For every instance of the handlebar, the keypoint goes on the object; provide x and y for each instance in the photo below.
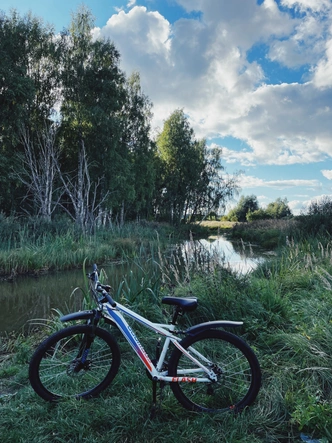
(102, 289)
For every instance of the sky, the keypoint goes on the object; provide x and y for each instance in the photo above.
(254, 77)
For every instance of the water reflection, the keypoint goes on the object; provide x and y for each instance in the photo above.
(31, 298)
(238, 257)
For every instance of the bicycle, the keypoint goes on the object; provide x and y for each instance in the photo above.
(208, 369)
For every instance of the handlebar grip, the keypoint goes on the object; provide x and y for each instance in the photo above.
(103, 289)
(109, 299)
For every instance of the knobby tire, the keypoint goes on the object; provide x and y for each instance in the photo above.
(56, 369)
(234, 362)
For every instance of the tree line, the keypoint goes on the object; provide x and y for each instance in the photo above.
(248, 209)
(76, 134)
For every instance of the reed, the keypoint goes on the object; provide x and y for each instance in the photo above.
(34, 249)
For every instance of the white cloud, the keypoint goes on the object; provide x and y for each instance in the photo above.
(297, 206)
(302, 5)
(255, 182)
(304, 45)
(201, 65)
(141, 36)
(323, 70)
(327, 173)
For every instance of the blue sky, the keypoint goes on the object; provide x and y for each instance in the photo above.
(253, 76)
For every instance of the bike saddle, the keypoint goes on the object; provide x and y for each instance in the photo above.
(186, 304)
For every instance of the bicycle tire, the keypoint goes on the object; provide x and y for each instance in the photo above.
(56, 370)
(234, 362)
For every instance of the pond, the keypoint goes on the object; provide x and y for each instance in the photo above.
(239, 257)
(28, 299)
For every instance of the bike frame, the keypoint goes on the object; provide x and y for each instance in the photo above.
(115, 314)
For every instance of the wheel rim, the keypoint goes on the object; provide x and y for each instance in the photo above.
(232, 370)
(62, 372)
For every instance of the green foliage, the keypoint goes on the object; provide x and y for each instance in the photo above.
(286, 309)
(93, 89)
(182, 159)
(28, 73)
(142, 151)
(323, 207)
(317, 221)
(248, 209)
(259, 214)
(312, 413)
(278, 209)
(248, 204)
(268, 233)
(99, 109)
(107, 166)
(35, 245)
(190, 182)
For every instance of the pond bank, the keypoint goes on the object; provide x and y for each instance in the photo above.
(26, 298)
(48, 252)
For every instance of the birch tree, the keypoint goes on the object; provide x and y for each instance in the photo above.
(93, 97)
(82, 193)
(38, 168)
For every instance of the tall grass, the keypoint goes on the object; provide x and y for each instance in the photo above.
(286, 307)
(32, 246)
(269, 234)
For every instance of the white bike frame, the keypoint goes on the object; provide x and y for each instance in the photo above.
(115, 315)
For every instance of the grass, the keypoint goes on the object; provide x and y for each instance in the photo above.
(216, 225)
(286, 306)
(269, 234)
(29, 250)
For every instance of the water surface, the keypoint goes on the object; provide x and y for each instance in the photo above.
(27, 298)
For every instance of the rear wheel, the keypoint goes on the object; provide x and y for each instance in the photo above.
(78, 361)
(236, 375)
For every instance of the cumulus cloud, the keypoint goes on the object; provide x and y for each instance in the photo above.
(202, 65)
(298, 206)
(327, 173)
(303, 5)
(323, 70)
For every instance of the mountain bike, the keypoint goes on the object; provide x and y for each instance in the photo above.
(207, 368)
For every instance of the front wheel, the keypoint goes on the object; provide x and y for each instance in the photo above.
(78, 361)
(236, 375)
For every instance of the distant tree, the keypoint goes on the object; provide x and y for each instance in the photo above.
(278, 209)
(246, 204)
(215, 187)
(248, 209)
(317, 220)
(322, 206)
(259, 214)
(190, 181)
(182, 159)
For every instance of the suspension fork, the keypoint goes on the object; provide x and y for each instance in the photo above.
(88, 338)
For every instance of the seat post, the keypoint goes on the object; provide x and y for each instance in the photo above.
(177, 311)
